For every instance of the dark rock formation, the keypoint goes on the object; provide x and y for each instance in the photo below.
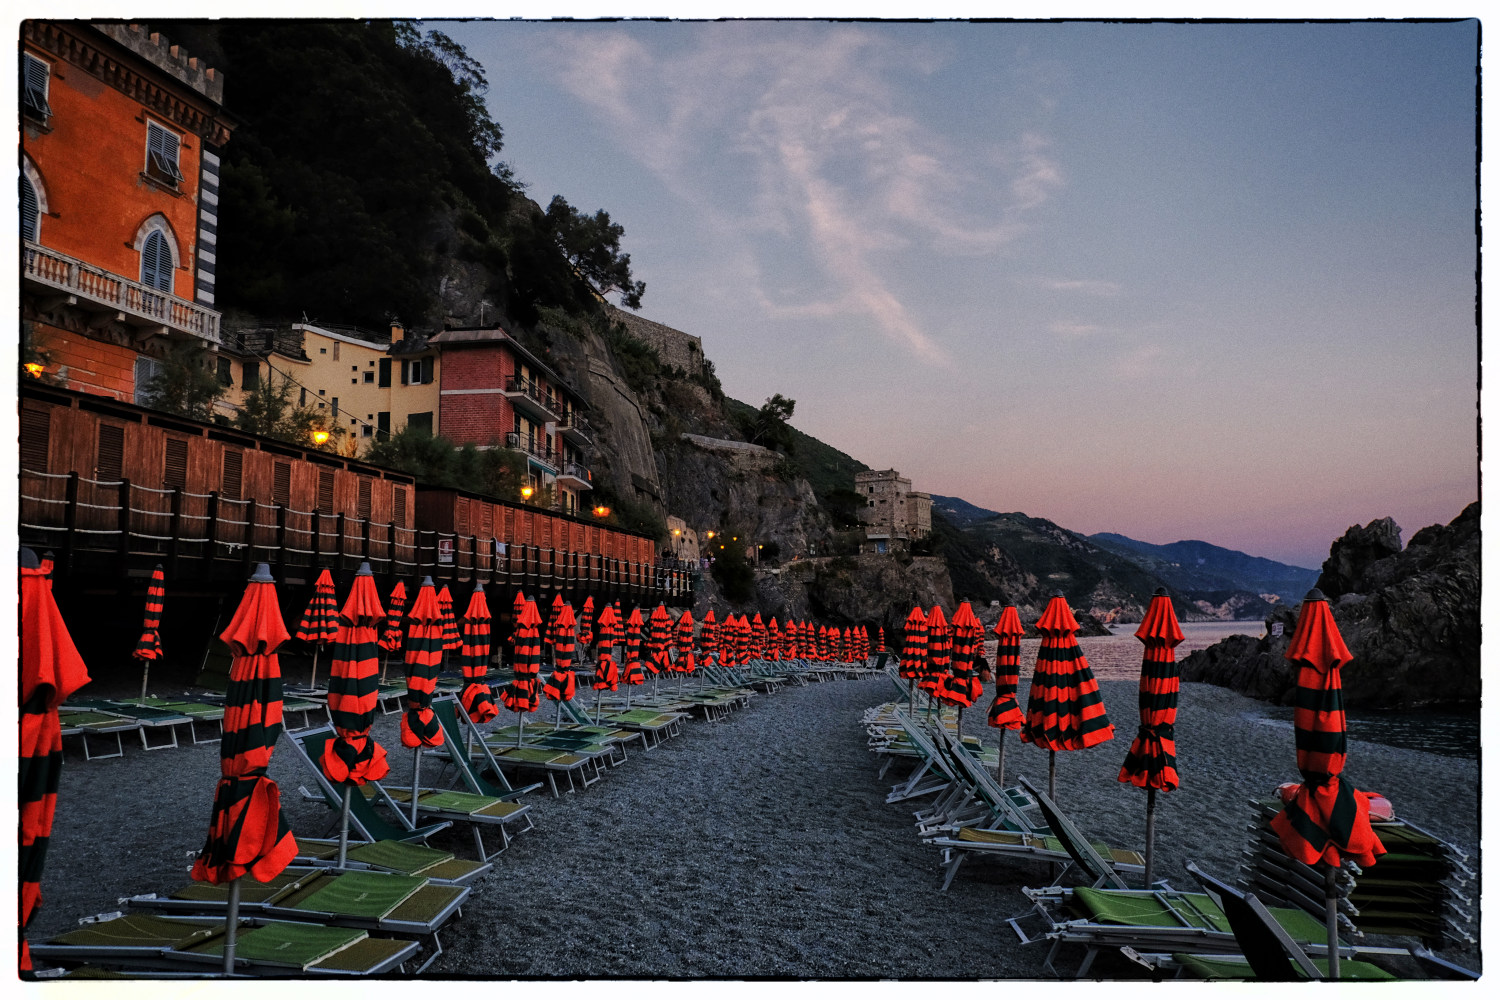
(1413, 627)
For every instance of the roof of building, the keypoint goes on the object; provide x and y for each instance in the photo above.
(495, 335)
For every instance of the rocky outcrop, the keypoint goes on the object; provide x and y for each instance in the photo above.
(1413, 627)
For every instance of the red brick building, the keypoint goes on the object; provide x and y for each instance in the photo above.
(496, 394)
(121, 132)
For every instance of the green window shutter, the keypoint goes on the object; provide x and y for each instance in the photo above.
(31, 212)
(156, 263)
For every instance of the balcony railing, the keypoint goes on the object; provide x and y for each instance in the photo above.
(523, 390)
(521, 442)
(575, 427)
(578, 473)
(141, 305)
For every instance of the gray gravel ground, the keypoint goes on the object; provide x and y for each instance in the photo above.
(757, 846)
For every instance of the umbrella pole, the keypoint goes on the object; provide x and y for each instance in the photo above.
(344, 827)
(1000, 769)
(557, 723)
(231, 925)
(312, 678)
(1330, 902)
(1150, 833)
(416, 783)
(911, 693)
(1052, 775)
(520, 726)
(145, 672)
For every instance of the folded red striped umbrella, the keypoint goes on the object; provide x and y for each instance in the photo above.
(549, 636)
(353, 756)
(939, 652)
(683, 643)
(758, 638)
(320, 620)
(914, 648)
(774, 641)
(452, 638)
(1064, 710)
(390, 637)
(148, 646)
(606, 671)
(633, 673)
(50, 671)
(657, 639)
(477, 698)
(424, 655)
(562, 685)
(882, 637)
(1325, 818)
(961, 686)
(523, 693)
(708, 636)
(246, 832)
(1151, 762)
(585, 627)
(1005, 713)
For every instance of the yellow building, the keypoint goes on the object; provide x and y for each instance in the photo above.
(366, 385)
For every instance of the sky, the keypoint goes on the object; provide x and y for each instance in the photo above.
(1199, 280)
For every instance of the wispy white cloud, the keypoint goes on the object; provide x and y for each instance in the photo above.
(1082, 286)
(828, 165)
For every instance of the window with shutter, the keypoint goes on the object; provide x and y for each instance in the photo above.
(385, 373)
(382, 426)
(362, 509)
(111, 460)
(156, 262)
(31, 212)
(405, 372)
(225, 372)
(234, 464)
(398, 506)
(147, 370)
(36, 431)
(484, 519)
(35, 76)
(281, 483)
(416, 372)
(250, 375)
(461, 515)
(325, 490)
(161, 154)
(174, 471)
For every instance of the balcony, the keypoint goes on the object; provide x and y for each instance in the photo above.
(530, 401)
(545, 459)
(575, 476)
(96, 290)
(574, 427)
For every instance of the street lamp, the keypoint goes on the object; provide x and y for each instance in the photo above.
(320, 437)
(526, 492)
(601, 511)
(34, 369)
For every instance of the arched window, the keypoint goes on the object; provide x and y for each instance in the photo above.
(31, 212)
(156, 262)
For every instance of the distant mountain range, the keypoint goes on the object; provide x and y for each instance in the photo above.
(1021, 559)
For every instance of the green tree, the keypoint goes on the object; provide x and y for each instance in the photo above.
(185, 385)
(591, 244)
(268, 410)
(495, 472)
(770, 426)
(733, 571)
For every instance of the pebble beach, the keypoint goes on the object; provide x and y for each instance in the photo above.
(761, 845)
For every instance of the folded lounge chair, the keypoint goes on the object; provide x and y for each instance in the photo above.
(84, 723)
(653, 726)
(196, 945)
(147, 719)
(407, 906)
(396, 856)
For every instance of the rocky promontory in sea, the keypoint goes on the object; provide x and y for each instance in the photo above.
(1410, 617)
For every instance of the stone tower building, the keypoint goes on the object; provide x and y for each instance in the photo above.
(894, 514)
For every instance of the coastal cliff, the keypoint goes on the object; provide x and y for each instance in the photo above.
(1410, 617)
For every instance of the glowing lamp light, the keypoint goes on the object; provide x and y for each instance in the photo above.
(711, 534)
(34, 369)
(676, 531)
(601, 511)
(526, 492)
(320, 436)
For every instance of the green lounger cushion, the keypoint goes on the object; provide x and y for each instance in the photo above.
(1206, 967)
(364, 954)
(140, 930)
(1194, 909)
(371, 895)
(537, 755)
(398, 856)
(287, 945)
(251, 891)
(426, 904)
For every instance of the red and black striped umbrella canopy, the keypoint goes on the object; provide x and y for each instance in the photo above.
(1005, 712)
(523, 693)
(474, 657)
(550, 635)
(424, 657)
(686, 663)
(585, 626)
(390, 638)
(961, 687)
(1325, 818)
(846, 650)
(1152, 759)
(939, 651)
(708, 635)
(148, 646)
(1064, 710)
(320, 620)
(882, 637)
(246, 831)
(914, 649)
(606, 671)
(352, 755)
(633, 672)
(562, 685)
(50, 671)
(452, 638)
(774, 641)
(759, 636)
(657, 639)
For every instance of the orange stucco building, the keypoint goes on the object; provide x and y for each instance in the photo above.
(121, 132)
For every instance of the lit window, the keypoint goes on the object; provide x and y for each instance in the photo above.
(156, 262)
(161, 154)
(35, 76)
